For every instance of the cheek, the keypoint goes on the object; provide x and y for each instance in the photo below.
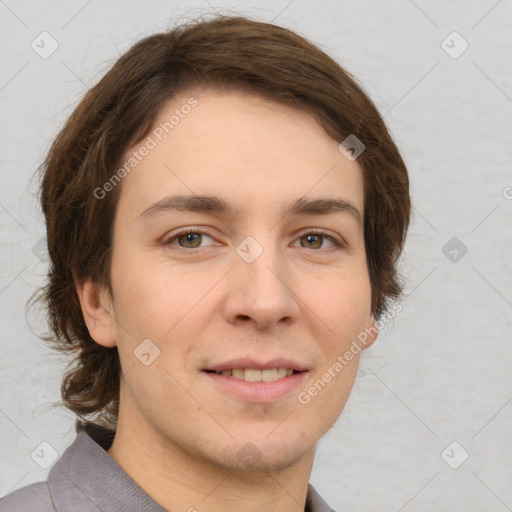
(345, 307)
(325, 396)
(160, 302)
(145, 286)
(343, 303)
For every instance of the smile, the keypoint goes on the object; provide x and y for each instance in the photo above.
(255, 385)
(256, 375)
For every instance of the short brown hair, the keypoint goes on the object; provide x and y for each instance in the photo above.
(223, 52)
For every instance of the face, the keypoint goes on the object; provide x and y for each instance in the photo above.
(256, 280)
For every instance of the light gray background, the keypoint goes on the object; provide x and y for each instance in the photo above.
(441, 372)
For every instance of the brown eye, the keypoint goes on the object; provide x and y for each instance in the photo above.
(312, 241)
(315, 240)
(190, 240)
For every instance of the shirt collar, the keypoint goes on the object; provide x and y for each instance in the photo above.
(87, 478)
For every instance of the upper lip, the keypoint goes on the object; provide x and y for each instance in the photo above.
(258, 364)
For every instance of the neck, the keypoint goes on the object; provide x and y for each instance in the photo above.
(180, 480)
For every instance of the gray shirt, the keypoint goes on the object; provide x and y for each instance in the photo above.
(87, 479)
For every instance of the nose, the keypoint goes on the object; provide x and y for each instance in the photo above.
(261, 292)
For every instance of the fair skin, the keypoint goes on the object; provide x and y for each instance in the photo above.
(183, 429)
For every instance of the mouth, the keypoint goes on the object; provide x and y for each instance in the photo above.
(255, 374)
(253, 381)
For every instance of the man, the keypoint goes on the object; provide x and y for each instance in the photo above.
(224, 210)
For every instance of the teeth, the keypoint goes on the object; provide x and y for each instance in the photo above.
(268, 375)
(238, 373)
(255, 375)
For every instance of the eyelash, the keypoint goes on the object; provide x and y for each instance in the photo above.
(191, 230)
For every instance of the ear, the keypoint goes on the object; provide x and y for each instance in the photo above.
(372, 333)
(97, 310)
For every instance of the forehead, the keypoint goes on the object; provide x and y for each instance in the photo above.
(253, 152)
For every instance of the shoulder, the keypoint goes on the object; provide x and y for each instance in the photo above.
(31, 498)
(314, 503)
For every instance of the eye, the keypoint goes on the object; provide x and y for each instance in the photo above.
(188, 239)
(315, 239)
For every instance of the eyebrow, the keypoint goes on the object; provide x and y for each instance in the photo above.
(218, 206)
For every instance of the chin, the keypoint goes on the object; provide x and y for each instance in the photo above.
(259, 454)
(263, 461)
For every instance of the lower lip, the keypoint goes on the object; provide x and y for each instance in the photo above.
(259, 392)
